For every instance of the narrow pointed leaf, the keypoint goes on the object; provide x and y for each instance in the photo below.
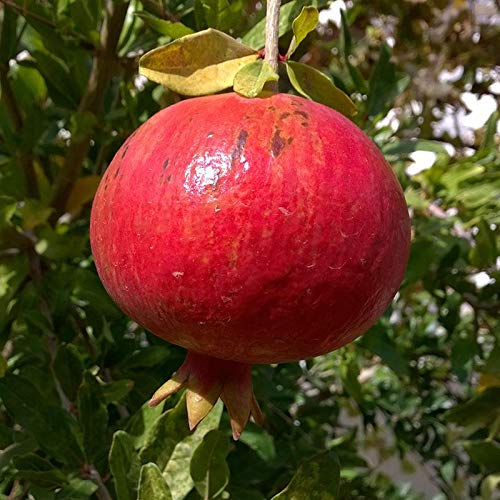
(316, 86)
(250, 80)
(152, 485)
(302, 25)
(208, 468)
(316, 479)
(125, 466)
(198, 64)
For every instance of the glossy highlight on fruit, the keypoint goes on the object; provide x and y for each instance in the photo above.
(249, 230)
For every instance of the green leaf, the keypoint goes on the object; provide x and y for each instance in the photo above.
(68, 367)
(142, 422)
(8, 38)
(208, 467)
(51, 426)
(152, 485)
(385, 84)
(114, 392)
(256, 36)
(250, 80)
(93, 417)
(198, 64)
(24, 443)
(350, 373)
(220, 14)
(378, 342)
(176, 472)
(259, 440)
(481, 409)
(77, 489)
(167, 28)
(38, 470)
(125, 466)
(489, 132)
(316, 86)
(485, 453)
(316, 479)
(171, 428)
(485, 252)
(302, 25)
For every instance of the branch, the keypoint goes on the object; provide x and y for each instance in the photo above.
(272, 33)
(103, 67)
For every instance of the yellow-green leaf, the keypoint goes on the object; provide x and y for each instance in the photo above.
(316, 86)
(82, 192)
(250, 80)
(302, 25)
(167, 28)
(198, 64)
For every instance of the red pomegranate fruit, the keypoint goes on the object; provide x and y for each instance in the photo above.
(248, 231)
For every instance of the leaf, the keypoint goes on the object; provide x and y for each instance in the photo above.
(176, 472)
(114, 392)
(142, 422)
(484, 253)
(8, 38)
(259, 440)
(302, 25)
(481, 409)
(489, 132)
(208, 467)
(220, 14)
(24, 443)
(77, 489)
(316, 479)
(255, 37)
(33, 213)
(93, 417)
(485, 453)
(316, 86)
(83, 192)
(250, 80)
(171, 428)
(68, 367)
(124, 465)
(38, 470)
(198, 64)
(152, 485)
(167, 28)
(378, 342)
(50, 425)
(385, 84)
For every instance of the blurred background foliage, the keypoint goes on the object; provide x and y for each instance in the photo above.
(411, 410)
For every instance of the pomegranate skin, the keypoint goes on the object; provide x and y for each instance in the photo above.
(252, 230)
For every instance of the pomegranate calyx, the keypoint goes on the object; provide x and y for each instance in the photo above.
(206, 379)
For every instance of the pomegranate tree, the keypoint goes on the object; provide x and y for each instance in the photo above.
(248, 231)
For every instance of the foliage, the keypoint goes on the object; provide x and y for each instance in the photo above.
(420, 390)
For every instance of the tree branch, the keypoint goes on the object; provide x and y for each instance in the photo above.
(103, 66)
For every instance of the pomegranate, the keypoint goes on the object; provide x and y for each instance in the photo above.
(248, 231)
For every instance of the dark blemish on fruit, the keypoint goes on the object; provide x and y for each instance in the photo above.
(284, 115)
(165, 164)
(117, 172)
(304, 124)
(290, 140)
(272, 108)
(301, 113)
(277, 143)
(239, 146)
(169, 177)
(124, 152)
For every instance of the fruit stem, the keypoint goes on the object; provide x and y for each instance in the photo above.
(272, 36)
